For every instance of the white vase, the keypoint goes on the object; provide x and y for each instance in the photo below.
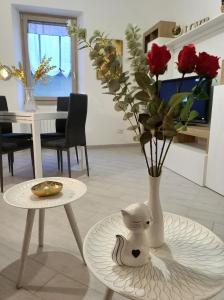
(29, 104)
(156, 228)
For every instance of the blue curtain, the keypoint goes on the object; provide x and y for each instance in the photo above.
(51, 41)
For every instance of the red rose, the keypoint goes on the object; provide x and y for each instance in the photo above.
(157, 59)
(207, 65)
(187, 59)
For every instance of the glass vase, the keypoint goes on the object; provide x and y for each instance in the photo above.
(29, 104)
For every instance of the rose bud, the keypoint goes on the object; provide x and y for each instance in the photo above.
(207, 65)
(158, 59)
(187, 59)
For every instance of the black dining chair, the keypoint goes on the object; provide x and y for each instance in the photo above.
(6, 127)
(60, 124)
(74, 130)
(9, 147)
(10, 136)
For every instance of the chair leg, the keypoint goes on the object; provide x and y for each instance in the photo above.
(61, 160)
(87, 162)
(58, 158)
(32, 160)
(1, 172)
(77, 154)
(11, 163)
(69, 163)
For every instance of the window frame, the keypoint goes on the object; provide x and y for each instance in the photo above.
(25, 17)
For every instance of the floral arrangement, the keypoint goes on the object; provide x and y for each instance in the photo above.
(136, 93)
(40, 74)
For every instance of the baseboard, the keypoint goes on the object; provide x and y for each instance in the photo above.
(113, 145)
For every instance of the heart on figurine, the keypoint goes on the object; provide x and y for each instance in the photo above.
(135, 253)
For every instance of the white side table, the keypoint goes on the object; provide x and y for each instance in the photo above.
(21, 196)
(189, 266)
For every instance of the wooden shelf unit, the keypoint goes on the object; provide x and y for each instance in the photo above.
(160, 29)
(198, 135)
(201, 33)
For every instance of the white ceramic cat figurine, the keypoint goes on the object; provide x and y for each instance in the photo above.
(134, 250)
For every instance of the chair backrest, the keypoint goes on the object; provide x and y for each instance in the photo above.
(5, 127)
(76, 121)
(62, 105)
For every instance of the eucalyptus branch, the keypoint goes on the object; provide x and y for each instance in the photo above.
(132, 125)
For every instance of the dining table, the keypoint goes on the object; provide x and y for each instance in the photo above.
(34, 119)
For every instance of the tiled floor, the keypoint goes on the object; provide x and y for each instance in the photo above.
(117, 178)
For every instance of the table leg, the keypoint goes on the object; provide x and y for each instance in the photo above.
(37, 149)
(74, 227)
(41, 227)
(38, 172)
(109, 294)
(26, 243)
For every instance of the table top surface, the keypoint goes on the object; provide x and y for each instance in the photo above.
(20, 195)
(38, 115)
(189, 266)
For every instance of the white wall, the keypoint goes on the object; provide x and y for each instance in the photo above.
(186, 12)
(112, 17)
(103, 122)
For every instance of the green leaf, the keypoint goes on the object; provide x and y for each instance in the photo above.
(113, 85)
(154, 121)
(120, 106)
(179, 126)
(136, 138)
(193, 114)
(143, 80)
(92, 54)
(178, 98)
(202, 95)
(135, 108)
(170, 133)
(127, 115)
(128, 99)
(142, 95)
(91, 39)
(134, 127)
(145, 137)
(153, 107)
(185, 111)
(83, 47)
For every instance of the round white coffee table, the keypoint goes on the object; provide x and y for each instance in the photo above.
(189, 266)
(21, 196)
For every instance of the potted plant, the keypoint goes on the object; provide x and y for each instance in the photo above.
(138, 90)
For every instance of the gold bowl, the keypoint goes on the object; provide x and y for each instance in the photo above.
(47, 188)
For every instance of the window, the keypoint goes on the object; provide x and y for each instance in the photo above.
(47, 36)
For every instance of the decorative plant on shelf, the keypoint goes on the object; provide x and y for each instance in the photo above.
(136, 93)
(40, 74)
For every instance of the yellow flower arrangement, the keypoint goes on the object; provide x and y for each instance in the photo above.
(40, 74)
(19, 73)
